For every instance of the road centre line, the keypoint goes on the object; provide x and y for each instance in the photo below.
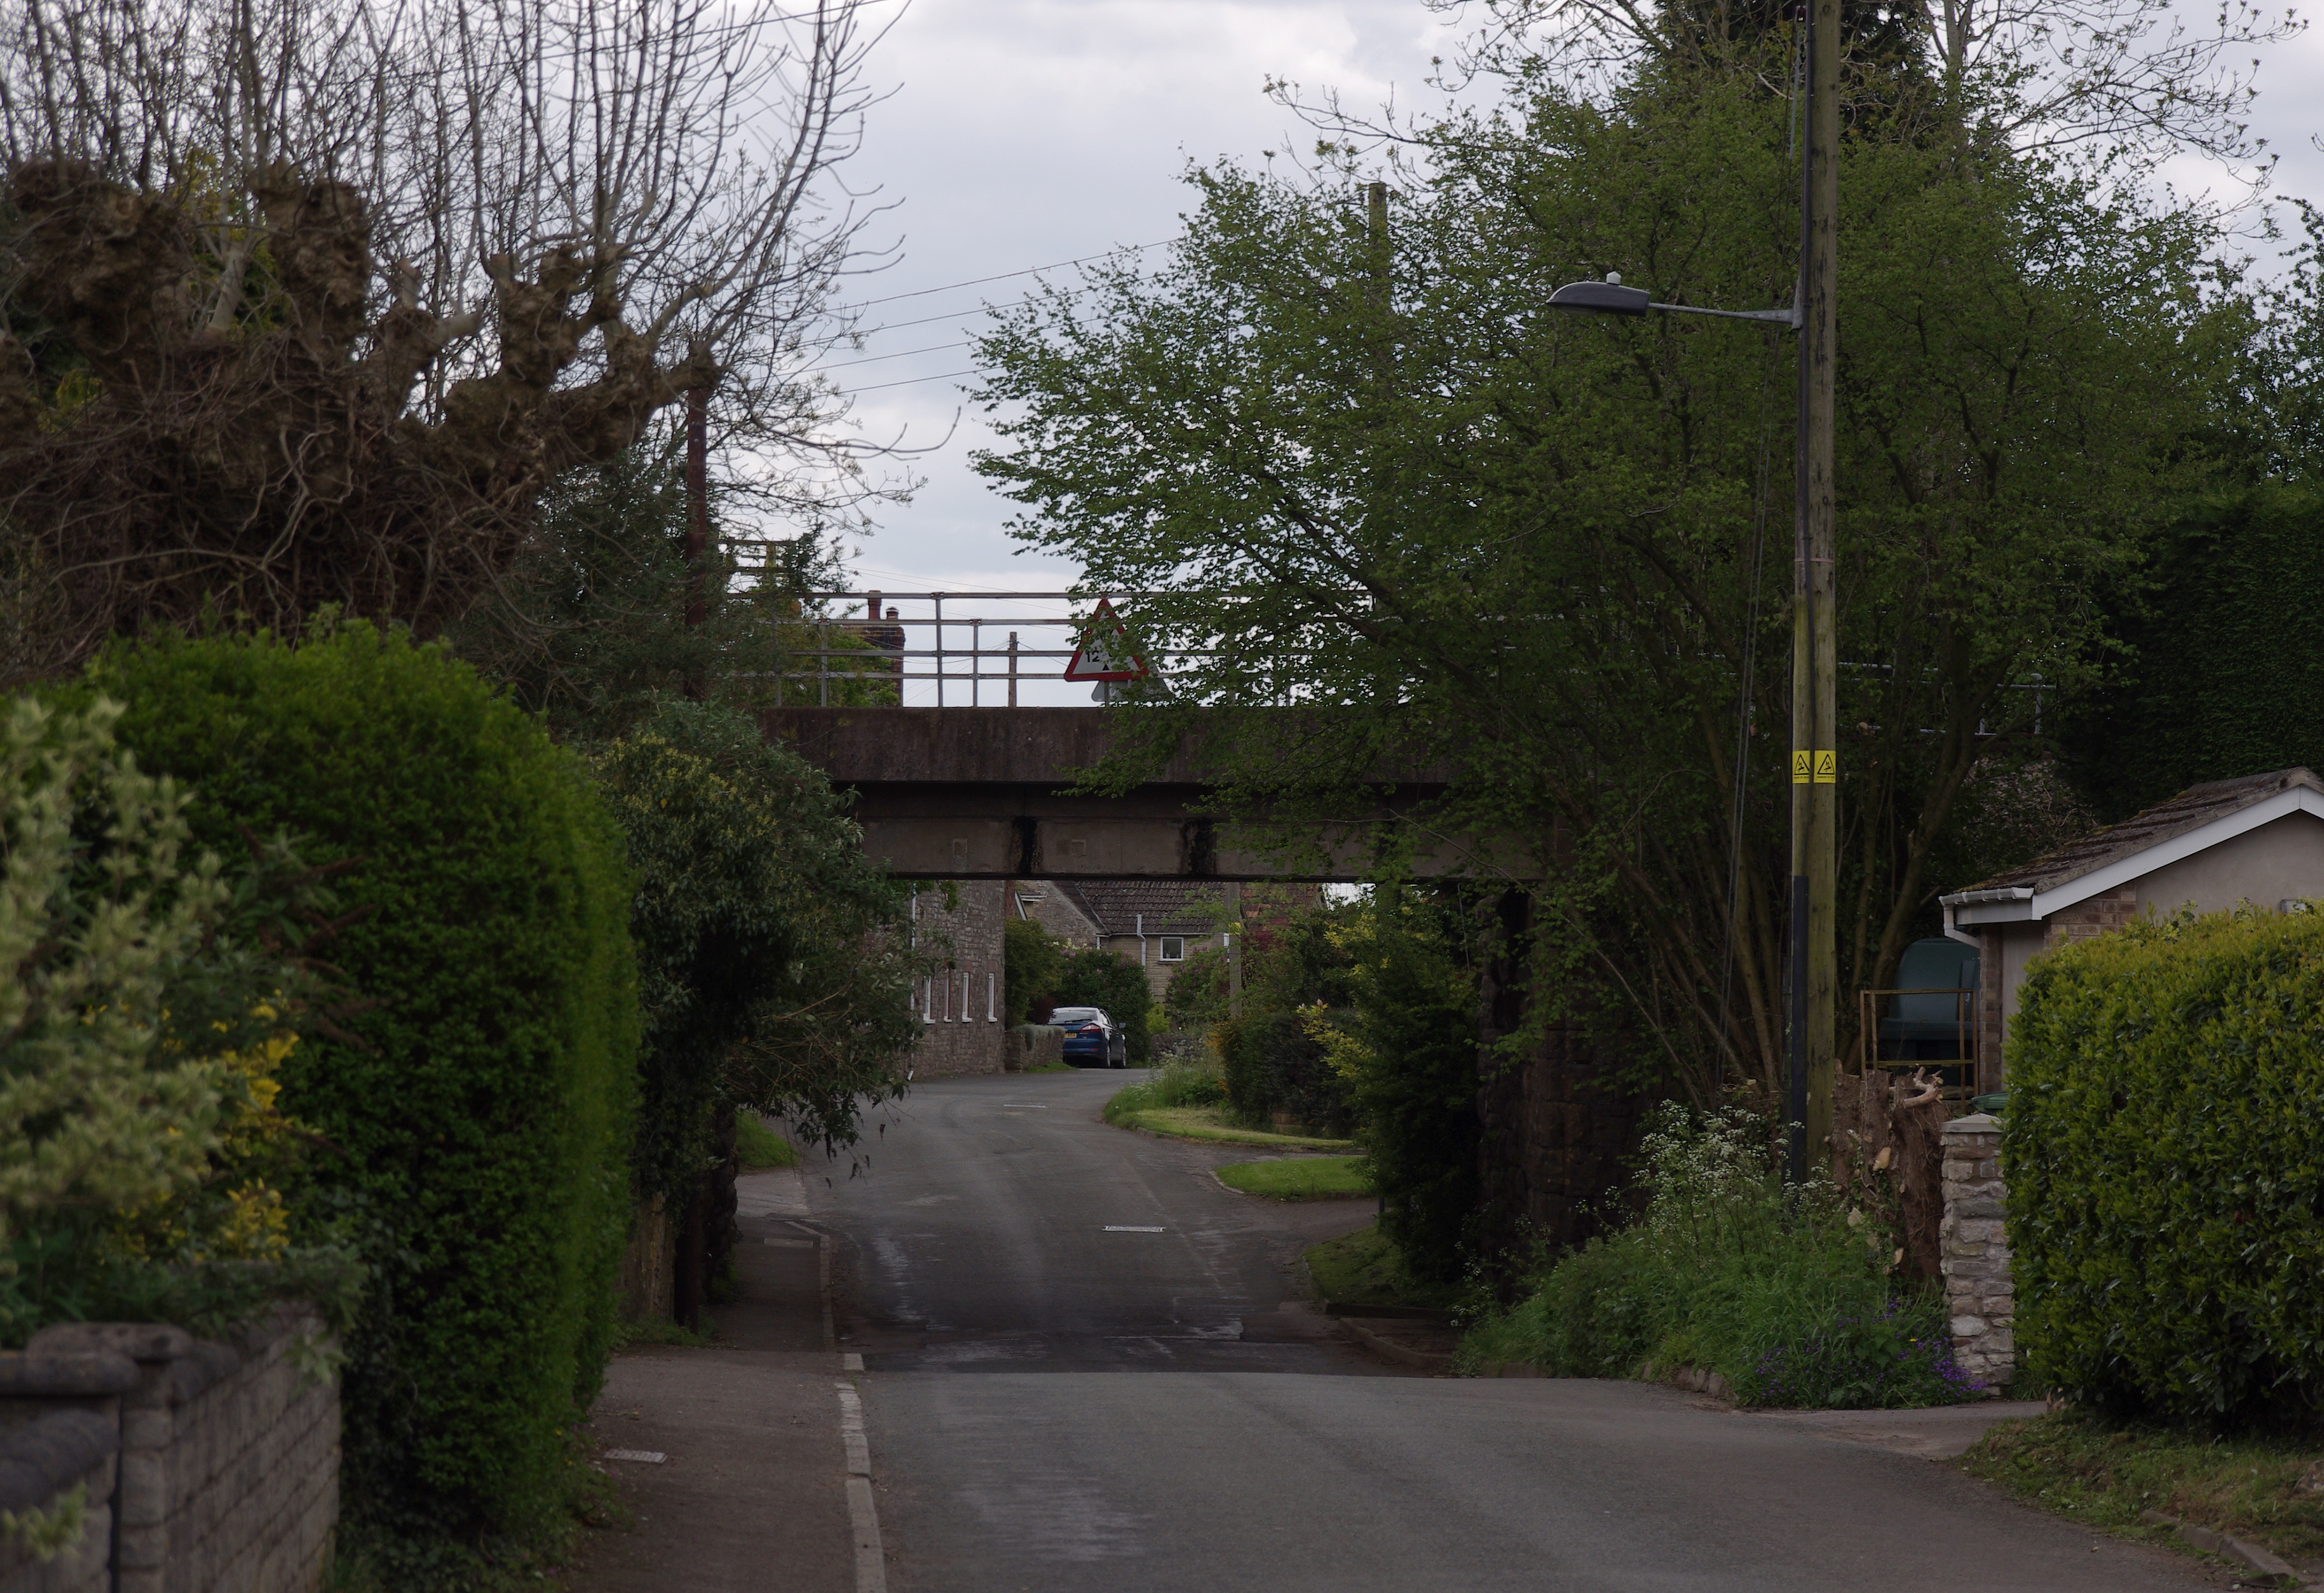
(1124, 1227)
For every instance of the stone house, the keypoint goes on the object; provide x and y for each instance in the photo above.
(959, 1004)
(2258, 838)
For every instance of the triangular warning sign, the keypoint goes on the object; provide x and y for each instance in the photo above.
(1104, 653)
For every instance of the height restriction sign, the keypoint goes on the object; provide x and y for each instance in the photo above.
(1105, 653)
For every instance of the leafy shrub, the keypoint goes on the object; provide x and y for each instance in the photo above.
(1783, 1291)
(1031, 960)
(143, 1159)
(1407, 1053)
(479, 1105)
(773, 968)
(1197, 996)
(2165, 1184)
(1274, 1064)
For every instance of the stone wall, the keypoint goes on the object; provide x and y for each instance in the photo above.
(959, 1004)
(222, 1475)
(42, 1462)
(1979, 1294)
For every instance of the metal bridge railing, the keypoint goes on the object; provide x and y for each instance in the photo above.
(971, 659)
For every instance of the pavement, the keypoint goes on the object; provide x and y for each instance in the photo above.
(1084, 1365)
(748, 1490)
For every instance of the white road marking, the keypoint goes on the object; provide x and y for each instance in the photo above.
(1123, 1228)
(850, 1362)
(647, 1457)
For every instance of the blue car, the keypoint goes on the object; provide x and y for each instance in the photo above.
(1091, 1038)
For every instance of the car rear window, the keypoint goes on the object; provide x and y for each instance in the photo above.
(1075, 1015)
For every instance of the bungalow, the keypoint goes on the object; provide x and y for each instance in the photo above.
(2258, 838)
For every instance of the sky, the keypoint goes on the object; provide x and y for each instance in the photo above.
(1018, 133)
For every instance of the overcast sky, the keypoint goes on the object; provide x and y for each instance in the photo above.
(1020, 132)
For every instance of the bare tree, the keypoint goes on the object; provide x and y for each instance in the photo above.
(2121, 78)
(306, 303)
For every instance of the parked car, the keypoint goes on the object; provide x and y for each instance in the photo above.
(1091, 1040)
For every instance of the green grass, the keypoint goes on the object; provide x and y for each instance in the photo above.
(1207, 1122)
(1055, 1067)
(2266, 1490)
(1300, 1178)
(759, 1147)
(1365, 1268)
(1189, 1100)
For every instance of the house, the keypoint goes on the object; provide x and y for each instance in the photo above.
(2259, 839)
(1157, 924)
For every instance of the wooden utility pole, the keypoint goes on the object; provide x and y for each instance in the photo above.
(1815, 769)
(697, 522)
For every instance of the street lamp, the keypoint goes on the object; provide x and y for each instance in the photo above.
(1815, 807)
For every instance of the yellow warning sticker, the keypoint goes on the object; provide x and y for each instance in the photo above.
(1801, 761)
(1827, 767)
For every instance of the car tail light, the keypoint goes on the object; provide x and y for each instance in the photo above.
(1093, 1029)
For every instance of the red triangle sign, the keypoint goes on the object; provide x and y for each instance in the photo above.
(1105, 653)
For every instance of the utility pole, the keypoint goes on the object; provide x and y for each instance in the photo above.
(697, 521)
(1815, 769)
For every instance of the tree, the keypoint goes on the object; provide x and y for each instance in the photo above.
(310, 304)
(591, 625)
(1374, 477)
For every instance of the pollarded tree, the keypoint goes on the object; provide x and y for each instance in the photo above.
(308, 303)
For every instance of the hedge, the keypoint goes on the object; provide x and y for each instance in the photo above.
(2166, 1181)
(477, 1104)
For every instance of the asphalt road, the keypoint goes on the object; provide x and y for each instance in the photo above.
(1004, 1276)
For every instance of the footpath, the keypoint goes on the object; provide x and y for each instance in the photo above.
(742, 1462)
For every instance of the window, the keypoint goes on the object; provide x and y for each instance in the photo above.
(1174, 948)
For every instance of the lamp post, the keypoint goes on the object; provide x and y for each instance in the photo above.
(1814, 959)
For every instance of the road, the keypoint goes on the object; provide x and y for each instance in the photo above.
(1013, 1256)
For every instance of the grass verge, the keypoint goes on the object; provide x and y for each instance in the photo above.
(1207, 1122)
(2264, 1490)
(1300, 1178)
(759, 1147)
(1365, 1268)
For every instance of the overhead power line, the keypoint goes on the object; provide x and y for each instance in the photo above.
(1004, 276)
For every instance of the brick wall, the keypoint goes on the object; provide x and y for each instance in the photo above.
(959, 1004)
(223, 1476)
(2093, 916)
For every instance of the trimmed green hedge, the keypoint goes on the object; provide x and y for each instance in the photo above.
(478, 1104)
(2166, 1179)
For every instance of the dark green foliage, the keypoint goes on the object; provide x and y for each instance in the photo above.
(1197, 996)
(1412, 1078)
(1784, 1293)
(478, 1105)
(2226, 675)
(590, 628)
(1032, 959)
(1094, 978)
(2166, 1193)
(773, 963)
(1274, 1064)
(1274, 1060)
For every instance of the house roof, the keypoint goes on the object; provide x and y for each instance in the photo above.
(2199, 817)
(1165, 906)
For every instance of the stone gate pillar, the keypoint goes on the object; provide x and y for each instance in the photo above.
(1979, 1297)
